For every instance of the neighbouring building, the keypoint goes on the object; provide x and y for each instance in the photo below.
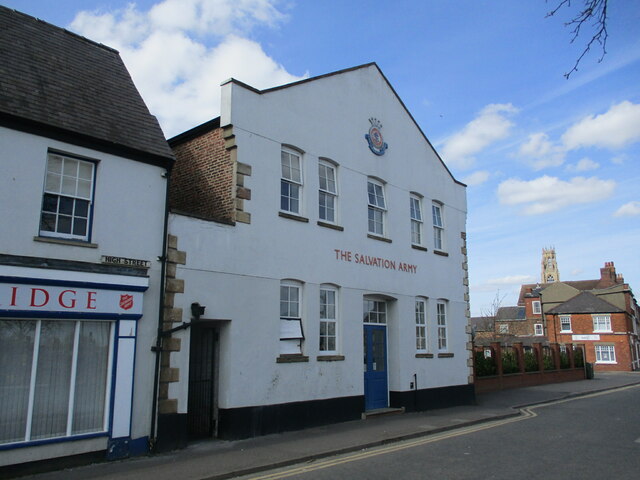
(601, 313)
(317, 246)
(83, 168)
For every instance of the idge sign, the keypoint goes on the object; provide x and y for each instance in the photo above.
(374, 137)
(64, 299)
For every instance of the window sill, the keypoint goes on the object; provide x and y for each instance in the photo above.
(330, 358)
(330, 225)
(419, 247)
(441, 253)
(424, 355)
(603, 331)
(292, 358)
(292, 216)
(65, 241)
(445, 355)
(377, 237)
(566, 331)
(606, 363)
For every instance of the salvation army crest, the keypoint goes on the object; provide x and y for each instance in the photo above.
(374, 137)
(126, 302)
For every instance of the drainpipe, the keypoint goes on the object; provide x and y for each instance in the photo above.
(157, 348)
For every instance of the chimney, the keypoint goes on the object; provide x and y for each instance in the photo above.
(608, 276)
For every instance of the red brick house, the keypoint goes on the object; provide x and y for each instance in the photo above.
(601, 313)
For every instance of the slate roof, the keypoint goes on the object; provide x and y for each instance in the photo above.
(536, 288)
(60, 85)
(506, 314)
(585, 302)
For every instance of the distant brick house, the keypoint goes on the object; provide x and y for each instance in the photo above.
(601, 313)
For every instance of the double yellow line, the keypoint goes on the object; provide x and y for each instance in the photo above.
(525, 414)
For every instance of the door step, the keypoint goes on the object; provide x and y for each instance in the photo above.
(380, 412)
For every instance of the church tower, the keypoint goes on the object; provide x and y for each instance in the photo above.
(550, 271)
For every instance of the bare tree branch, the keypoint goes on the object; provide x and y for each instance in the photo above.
(595, 10)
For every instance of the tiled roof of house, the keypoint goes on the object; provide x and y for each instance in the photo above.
(585, 302)
(57, 84)
(510, 314)
(534, 289)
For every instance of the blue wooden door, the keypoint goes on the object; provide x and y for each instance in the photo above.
(376, 391)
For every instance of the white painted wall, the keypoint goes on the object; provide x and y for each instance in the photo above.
(127, 221)
(235, 271)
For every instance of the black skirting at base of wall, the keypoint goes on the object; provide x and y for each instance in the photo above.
(51, 464)
(172, 432)
(432, 398)
(237, 423)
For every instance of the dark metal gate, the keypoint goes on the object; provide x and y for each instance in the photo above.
(201, 414)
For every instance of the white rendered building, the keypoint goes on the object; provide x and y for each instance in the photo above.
(325, 238)
(83, 169)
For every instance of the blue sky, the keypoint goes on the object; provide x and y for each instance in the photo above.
(548, 161)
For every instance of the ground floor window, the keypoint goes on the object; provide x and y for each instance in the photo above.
(605, 354)
(54, 379)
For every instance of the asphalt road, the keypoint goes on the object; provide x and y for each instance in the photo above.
(585, 438)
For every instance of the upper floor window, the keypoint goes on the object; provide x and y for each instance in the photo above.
(291, 333)
(421, 325)
(565, 323)
(441, 315)
(68, 198)
(377, 207)
(535, 305)
(415, 209)
(538, 330)
(438, 226)
(601, 323)
(328, 192)
(503, 328)
(328, 319)
(291, 182)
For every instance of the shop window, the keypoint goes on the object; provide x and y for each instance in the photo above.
(55, 378)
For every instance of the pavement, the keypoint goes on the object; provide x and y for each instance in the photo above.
(217, 460)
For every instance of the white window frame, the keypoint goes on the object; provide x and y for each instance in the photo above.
(538, 330)
(565, 324)
(291, 180)
(377, 207)
(441, 317)
(503, 328)
(291, 328)
(415, 212)
(327, 193)
(605, 351)
(328, 319)
(67, 197)
(375, 311)
(536, 307)
(601, 322)
(422, 340)
(71, 404)
(437, 217)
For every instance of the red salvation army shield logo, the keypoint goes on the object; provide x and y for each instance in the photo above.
(126, 301)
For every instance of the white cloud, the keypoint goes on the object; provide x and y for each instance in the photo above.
(476, 178)
(617, 128)
(502, 283)
(630, 209)
(547, 194)
(180, 51)
(583, 165)
(488, 127)
(541, 151)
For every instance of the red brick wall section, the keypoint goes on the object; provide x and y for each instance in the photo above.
(202, 181)
(582, 324)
